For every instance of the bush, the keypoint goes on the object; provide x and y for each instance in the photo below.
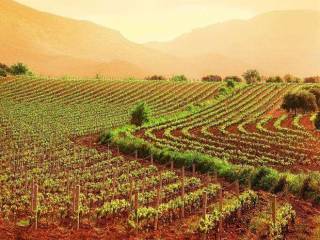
(252, 76)
(3, 73)
(155, 77)
(315, 79)
(316, 93)
(232, 78)
(179, 78)
(301, 100)
(262, 178)
(19, 69)
(317, 121)
(230, 84)
(212, 78)
(288, 78)
(276, 79)
(140, 114)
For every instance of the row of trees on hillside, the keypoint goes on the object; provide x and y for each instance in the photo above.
(250, 76)
(15, 69)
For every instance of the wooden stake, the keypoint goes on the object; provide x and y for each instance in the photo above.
(118, 150)
(171, 165)
(182, 193)
(220, 227)
(238, 193)
(157, 206)
(136, 205)
(35, 198)
(151, 159)
(77, 193)
(274, 206)
(193, 170)
(205, 203)
(136, 154)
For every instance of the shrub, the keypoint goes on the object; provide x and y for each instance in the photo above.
(281, 185)
(288, 78)
(179, 78)
(315, 79)
(252, 76)
(3, 73)
(317, 121)
(140, 114)
(301, 100)
(316, 93)
(230, 84)
(264, 178)
(155, 77)
(275, 79)
(106, 137)
(233, 78)
(212, 78)
(19, 69)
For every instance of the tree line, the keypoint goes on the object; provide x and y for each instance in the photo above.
(15, 69)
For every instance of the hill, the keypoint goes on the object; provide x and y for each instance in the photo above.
(274, 42)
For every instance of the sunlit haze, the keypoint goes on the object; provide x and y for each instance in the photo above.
(160, 20)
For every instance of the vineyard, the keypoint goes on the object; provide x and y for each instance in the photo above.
(58, 182)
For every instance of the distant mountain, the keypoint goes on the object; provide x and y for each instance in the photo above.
(277, 42)
(52, 44)
(274, 42)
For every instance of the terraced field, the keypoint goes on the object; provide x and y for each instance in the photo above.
(246, 128)
(57, 181)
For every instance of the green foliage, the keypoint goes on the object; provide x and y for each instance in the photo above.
(275, 79)
(140, 114)
(230, 84)
(288, 78)
(3, 73)
(233, 78)
(106, 137)
(19, 69)
(179, 78)
(252, 76)
(264, 178)
(301, 100)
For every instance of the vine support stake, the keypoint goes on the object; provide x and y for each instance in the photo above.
(182, 192)
(171, 165)
(157, 206)
(136, 206)
(35, 199)
(136, 154)
(205, 203)
(77, 194)
(193, 170)
(274, 206)
(220, 227)
(151, 157)
(238, 193)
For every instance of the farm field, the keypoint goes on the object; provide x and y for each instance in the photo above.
(57, 179)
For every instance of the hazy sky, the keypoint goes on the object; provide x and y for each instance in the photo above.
(147, 20)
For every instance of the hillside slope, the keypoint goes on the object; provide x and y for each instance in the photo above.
(275, 42)
(35, 37)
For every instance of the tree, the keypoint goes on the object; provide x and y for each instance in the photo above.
(275, 79)
(230, 84)
(212, 78)
(315, 79)
(252, 76)
(288, 78)
(140, 114)
(317, 121)
(155, 77)
(302, 100)
(19, 69)
(3, 73)
(179, 78)
(316, 92)
(233, 78)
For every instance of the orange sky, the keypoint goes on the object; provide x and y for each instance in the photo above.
(150, 20)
